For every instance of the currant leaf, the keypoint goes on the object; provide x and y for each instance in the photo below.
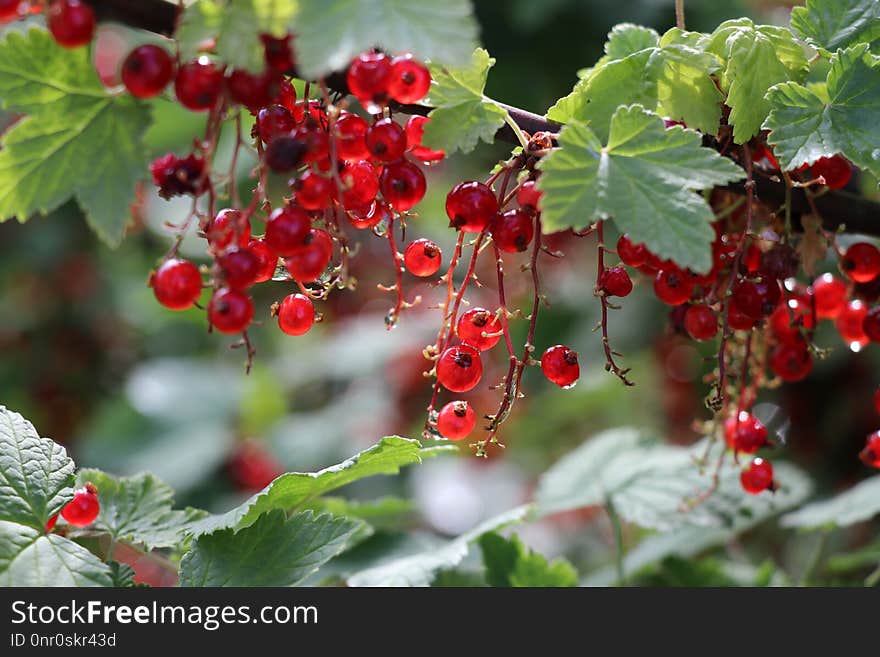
(509, 562)
(330, 33)
(643, 179)
(625, 39)
(833, 24)
(462, 115)
(273, 551)
(804, 126)
(854, 505)
(77, 140)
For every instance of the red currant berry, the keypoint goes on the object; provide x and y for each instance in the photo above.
(479, 328)
(350, 131)
(50, 523)
(83, 508)
(615, 282)
(751, 259)
(422, 257)
(71, 22)
(316, 140)
(415, 128)
(296, 314)
(456, 420)
(757, 297)
(513, 230)
(198, 85)
(830, 296)
(738, 320)
(672, 287)
(871, 324)
(278, 53)
(285, 153)
(789, 317)
(870, 454)
(369, 216)
(252, 468)
(252, 91)
(835, 170)
(745, 433)
(177, 284)
(861, 262)
(316, 113)
(459, 368)
(470, 206)
(11, 9)
(386, 140)
(763, 156)
(228, 228)
(314, 191)
(266, 258)
(403, 185)
(791, 362)
(179, 175)
(634, 255)
(369, 76)
(312, 258)
(700, 322)
(560, 365)
(409, 81)
(529, 196)
(361, 182)
(147, 71)
(850, 324)
(757, 476)
(286, 230)
(230, 311)
(274, 121)
(240, 268)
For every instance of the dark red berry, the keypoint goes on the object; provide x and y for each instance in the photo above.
(313, 190)
(850, 324)
(278, 53)
(634, 255)
(861, 262)
(409, 81)
(239, 267)
(456, 420)
(422, 257)
(700, 322)
(198, 85)
(560, 365)
(296, 314)
(870, 454)
(266, 258)
(287, 229)
(403, 185)
(274, 121)
(871, 324)
(672, 287)
(147, 70)
(738, 320)
(835, 170)
(479, 328)
(470, 206)
(350, 131)
(513, 230)
(459, 368)
(179, 175)
(369, 76)
(83, 508)
(284, 154)
(791, 362)
(252, 90)
(228, 228)
(11, 9)
(615, 282)
(71, 22)
(230, 311)
(252, 468)
(745, 433)
(361, 184)
(829, 296)
(751, 259)
(309, 261)
(780, 262)
(529, 196)
(757, 476)
(415, 128)
(757, 297)
(177, 284)
(386, 140)
(316, 140)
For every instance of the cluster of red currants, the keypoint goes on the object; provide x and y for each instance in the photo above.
(81, 510)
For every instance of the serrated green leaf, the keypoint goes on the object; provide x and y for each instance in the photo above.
(833, 24)
(857, 504)
(756, 58)
(419, 569)
(138, 510)
(509, 562)
(28, 557)
(626, 38)
(462, 115)
(385, 512)
(122, 575)
(643, 180)
(273, 551)
(293, 490)
(804, 128)
(685, 90)
(330, 33)
(36, 475)
(78, 139)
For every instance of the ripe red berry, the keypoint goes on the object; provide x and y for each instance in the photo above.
(310, 260)
(789, 317)
(11, 9)
(265, 257)
(700, 322)
(870, 454)
(757, 297)
(50, 523)
(285, 153)
(409, 81)
(850, 324)
(286, 230)
(476, 322)
(296, 314)
(470, 206)
(147, 70)
(456, 420)
(738, 320)
(316, 140)
(871, 324)
(228, 228)
(791, 362)
(422, 257)
(177, 284)
(634, 255)
(71, 22)
(386, 140)
(745, 433)
(672, 287)
(198, 85)
(829, 293)
(369, 216)
(757, 476)
(239, 268)
(513, 231)
(529, 196)
(560, 365)
(313, 190)
(252, 468)
(861, 262)
(230, 311)
(403, 185)
(83, 508)
(835, 170)
(751, 259)
(763, 156)
(368, 78)
(415, 128)
(254, 91)
(179, 175)
(274, 121)
(278, 52)
(459, 368)
(361, 184)
(350, 131)
(615, 282)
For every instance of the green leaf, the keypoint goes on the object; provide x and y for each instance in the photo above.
(138, 510)
(295, 489)
(643, 180)
(462, 115)
(330, 33)
(36, 475)
(857, 504)
(385, 512)
(685, 90)
(122, 575)
(757, 57)
(28, 557)
(509, 562)
(419, 569)
(625, 39)
(833, 24)
(273, 551)
(804, 126)
(78, 139)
